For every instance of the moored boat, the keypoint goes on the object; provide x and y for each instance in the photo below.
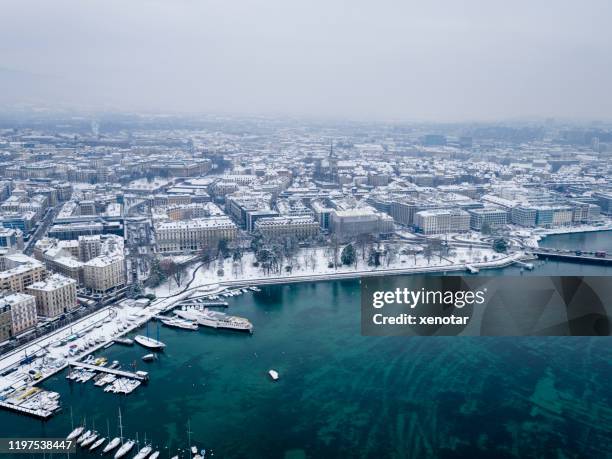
(125, 448)
(75, 433)
(111, 445)
(149, 343)
(98, 442)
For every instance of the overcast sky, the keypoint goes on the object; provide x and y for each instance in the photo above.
(383, 59)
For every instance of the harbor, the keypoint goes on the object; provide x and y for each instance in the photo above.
(74, 346)
(308, 333)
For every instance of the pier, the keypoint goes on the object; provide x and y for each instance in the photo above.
(112, 371)
(41, 413)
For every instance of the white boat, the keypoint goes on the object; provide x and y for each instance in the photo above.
(75, 433)
(83, 436)
(215, 319)
(149, 343)
(180, 323)
(98, 442)
(194, 450)
(125, 448)
(111, 445)
(273, 374)
(143, 453)
(89, 440)
(149, 357)
(154, 455)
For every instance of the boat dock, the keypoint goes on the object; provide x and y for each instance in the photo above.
(40, 413)
(112, 371)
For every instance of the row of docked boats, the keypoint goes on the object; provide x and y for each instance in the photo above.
(215, 319)
(91, 440)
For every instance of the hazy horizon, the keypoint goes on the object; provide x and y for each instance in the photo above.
(434, 61)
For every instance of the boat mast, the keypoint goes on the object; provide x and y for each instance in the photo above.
(189, 435)
(120, 428)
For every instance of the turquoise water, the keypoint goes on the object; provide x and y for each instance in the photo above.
(342, 395)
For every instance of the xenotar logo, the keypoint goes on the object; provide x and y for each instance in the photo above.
(426, 305)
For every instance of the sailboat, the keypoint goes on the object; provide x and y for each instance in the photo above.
(125, 447)
(149, 342)
(101, 440)
(97, 443)
(74, 433)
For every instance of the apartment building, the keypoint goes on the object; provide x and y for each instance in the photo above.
(441, 221)
(298, 227)
(23, 311)
(18, 278)
(193, 235)
(104, 273)
(491, 216)
(54, 296)
(353, 222)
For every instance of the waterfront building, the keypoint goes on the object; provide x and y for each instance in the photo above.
(54, 296)
(299, 227)
(193, 235)
(6, 322)
(353, 222)
(23, 311)
(491, 216)
(441, 221)
(104, 273)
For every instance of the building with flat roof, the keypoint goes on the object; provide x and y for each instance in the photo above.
(20, 277)
(193, 235)
(298, 227)
(353, 222)
(441, 221)
(104, 273)
(54, 296)
(493, 217)
(23, 311)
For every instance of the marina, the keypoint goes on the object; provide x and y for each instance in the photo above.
(306, 341)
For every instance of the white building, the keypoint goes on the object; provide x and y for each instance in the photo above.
(353, 222)
(193, 235)
(105, 272)
(55, 295)
(23, 311)
(441, 221)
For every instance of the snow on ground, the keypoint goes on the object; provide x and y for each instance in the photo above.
(91, 333)
(315, 262)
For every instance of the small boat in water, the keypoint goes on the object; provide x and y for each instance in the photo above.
(180, 323)
(143, 453)
(149, 343)
(98, 442)
(89, 440)
(125, 448)
(111, 445)
(155, 455)
(273, 374)
(83, 436)
(75, 433)
(149, 357)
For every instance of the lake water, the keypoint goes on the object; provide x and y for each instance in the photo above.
(342, 395)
